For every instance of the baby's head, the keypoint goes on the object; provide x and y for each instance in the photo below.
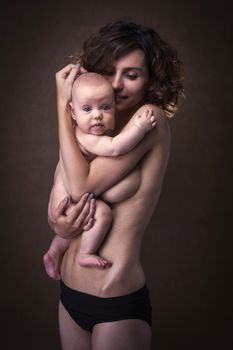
(92, 105)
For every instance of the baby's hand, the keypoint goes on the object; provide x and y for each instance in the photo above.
(146, 121)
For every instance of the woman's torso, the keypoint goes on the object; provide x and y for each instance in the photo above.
(131, 213)
(132, 201)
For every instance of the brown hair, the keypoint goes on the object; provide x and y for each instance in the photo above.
(119, 38)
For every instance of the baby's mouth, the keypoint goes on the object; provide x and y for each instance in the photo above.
(97, 125)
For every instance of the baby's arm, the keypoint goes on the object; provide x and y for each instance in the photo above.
(80, 175)
(123, 142)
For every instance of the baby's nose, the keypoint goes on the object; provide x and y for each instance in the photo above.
(97, 114)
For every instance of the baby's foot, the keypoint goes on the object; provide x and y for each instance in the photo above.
(52, 263)
(92, 260)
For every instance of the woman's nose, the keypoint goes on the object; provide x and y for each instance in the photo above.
(116, 82)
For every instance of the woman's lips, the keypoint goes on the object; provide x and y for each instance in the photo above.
(119, 98)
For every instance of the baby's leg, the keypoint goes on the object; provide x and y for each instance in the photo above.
(91, 240)
(52, 259)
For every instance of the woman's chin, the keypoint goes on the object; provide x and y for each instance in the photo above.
(122, 107)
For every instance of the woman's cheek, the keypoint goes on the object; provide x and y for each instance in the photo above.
(138, 87)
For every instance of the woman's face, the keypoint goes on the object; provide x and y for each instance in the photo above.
(129, 78)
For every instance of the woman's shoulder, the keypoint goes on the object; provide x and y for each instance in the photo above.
(157, 112)
(162, 127)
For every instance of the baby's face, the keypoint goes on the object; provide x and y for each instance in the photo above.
(93, 108)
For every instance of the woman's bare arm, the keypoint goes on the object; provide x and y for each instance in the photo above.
(68, 219)
(102, 173)
(70, 155)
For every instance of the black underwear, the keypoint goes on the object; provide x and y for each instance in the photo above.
(87, 310)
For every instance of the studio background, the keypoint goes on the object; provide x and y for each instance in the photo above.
(187, 247)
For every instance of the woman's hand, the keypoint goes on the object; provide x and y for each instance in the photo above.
(64, 81)
(71, 219)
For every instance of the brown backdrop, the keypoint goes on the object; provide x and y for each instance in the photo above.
(186, 251)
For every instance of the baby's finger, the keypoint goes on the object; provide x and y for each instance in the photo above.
(152, 118)
(144, 114)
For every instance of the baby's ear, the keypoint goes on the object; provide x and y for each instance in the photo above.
(72, 110)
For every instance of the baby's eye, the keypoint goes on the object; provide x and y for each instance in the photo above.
(86, 108)
(106, 107)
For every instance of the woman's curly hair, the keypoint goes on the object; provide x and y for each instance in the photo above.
(119, 38)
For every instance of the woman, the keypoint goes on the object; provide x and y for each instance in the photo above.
(110, 308)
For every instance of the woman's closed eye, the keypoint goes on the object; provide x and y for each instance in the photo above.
(131, 76)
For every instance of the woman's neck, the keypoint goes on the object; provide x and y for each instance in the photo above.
(122, 117)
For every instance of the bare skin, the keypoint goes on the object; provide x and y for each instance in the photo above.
(80, 215)
(92, 239)
(93, 104)
(53, 257)
(133, 202)
(133, 192)
(120, 335)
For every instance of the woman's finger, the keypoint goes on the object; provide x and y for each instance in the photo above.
(91, 213)
(83, 70)
(62, 207)
(65, 71)
(89, 224)
(79, 222)
(73, 74)
(92, 208)
(77, 210)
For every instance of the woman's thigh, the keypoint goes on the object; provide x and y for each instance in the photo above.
(72, 336)
(121, 335)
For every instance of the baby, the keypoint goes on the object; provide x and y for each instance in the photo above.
(93, 110)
